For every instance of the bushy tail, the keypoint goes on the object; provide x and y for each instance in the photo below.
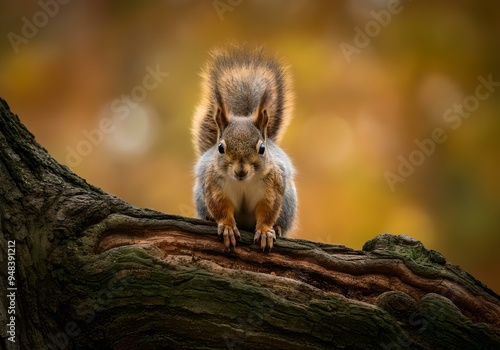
(238, 78)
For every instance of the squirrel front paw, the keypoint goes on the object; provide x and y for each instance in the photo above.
(228, 232)
(266, 235)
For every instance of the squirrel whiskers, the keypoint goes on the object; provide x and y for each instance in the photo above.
(243, 179)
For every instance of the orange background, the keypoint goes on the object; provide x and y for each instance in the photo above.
(353, 121)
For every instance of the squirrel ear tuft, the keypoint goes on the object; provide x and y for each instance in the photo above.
(261, 120)
(220, 116)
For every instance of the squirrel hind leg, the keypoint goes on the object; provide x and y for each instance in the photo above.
(287, 218)
(201, 209)
(284, 225)
(277, 229)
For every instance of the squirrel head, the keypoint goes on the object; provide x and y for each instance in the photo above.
(242, 141)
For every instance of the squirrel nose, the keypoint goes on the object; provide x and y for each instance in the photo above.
(241, 174)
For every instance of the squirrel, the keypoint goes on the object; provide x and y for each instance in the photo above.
(242, 178)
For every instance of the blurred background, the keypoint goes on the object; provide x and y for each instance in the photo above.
(370, 78)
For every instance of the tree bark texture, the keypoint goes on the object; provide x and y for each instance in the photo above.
(94, 272)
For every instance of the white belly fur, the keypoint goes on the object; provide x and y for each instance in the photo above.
(244, 195)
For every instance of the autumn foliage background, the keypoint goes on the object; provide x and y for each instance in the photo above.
(355, 117)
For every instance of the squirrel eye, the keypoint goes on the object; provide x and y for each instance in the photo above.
(262, 148)
(221, 148)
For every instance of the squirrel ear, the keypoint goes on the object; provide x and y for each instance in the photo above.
(262, 119)
(220, 116)
(220, 120)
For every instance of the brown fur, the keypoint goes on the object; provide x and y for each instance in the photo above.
(268, 208)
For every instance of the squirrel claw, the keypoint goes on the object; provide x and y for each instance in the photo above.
(267, 238)
(228, 234)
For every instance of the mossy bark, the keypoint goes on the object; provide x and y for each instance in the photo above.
(93, 271)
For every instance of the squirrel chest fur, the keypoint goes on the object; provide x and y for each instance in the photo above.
(244, 196)
(242, 178)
